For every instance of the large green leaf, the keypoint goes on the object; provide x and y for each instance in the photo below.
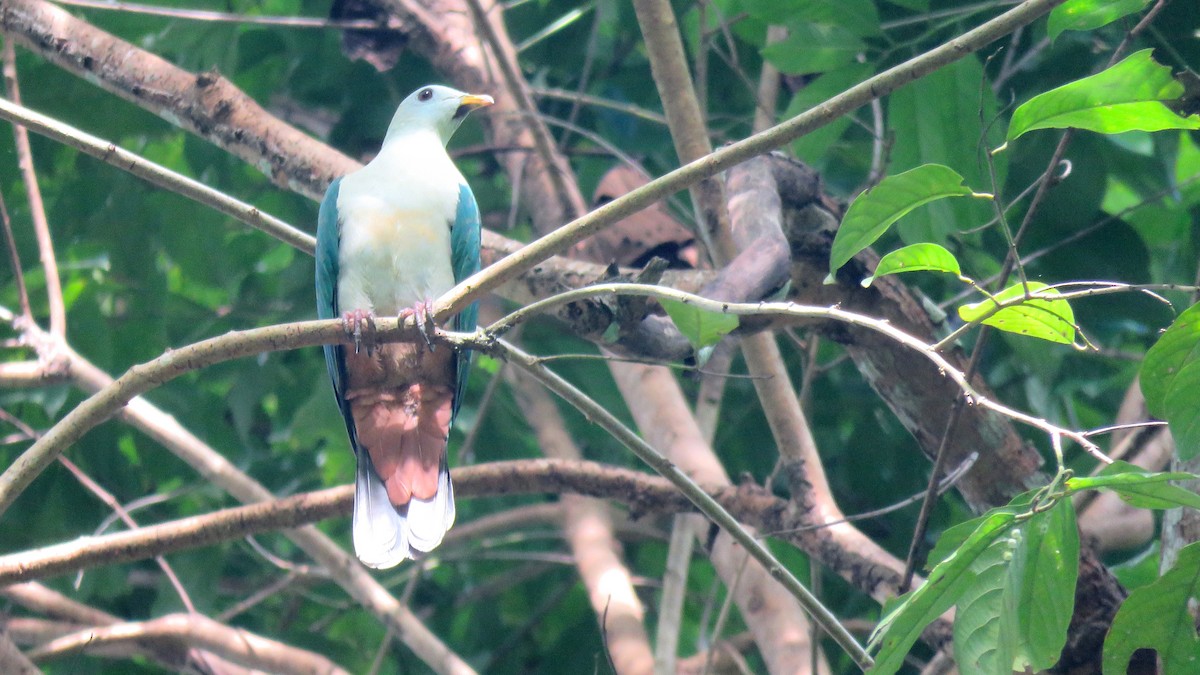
(1016, 611)
(816, 147)
(900, 628)
(1044, 317)
(1046, 598)
(1126, 97)
(1140, 487)
(1182, 407)
(1178, 347)
(915, 258)
(985, 621)
(947, 133)
(873, 211)
(813, 48)
(1089, 14)
(1158, 616)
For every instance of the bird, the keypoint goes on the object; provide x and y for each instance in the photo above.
(391, 237)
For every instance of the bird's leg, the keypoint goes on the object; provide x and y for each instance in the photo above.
(361, 324)
(422, 313)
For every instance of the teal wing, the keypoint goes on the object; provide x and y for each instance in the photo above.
(464, 258)
(329, 234)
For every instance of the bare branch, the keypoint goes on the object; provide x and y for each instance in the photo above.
(37, 208)
(195, 630)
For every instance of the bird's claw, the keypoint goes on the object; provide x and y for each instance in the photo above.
(422, 314)
(360, 323)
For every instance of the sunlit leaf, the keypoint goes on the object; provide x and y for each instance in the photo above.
(1140, 487)
(1158, 617)
(873, 211)
(1126, 97)
(1089, 14)
(701, 327)
(1044, 317)
(915, 258)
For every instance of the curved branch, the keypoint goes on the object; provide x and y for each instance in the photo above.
(194, 630)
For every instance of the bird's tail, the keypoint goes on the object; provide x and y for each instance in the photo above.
(403, 499)
(384, 535)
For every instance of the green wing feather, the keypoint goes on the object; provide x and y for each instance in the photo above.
(329, 234)
(464, 258)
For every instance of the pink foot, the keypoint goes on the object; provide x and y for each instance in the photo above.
(422, 313)
(361, 324)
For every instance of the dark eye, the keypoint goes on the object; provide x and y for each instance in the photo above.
(425, 95)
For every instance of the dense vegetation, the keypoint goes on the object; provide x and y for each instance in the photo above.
(842, 403)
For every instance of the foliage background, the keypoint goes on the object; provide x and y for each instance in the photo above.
(144, 270)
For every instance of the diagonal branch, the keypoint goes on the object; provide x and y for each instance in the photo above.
(705, 503)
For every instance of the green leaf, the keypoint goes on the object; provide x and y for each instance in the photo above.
(1157, 617)
(1178, 347)
(1016, 611)
(899, 629)
(873, 211)
(1183, 410)
(985, 622)
(813, 48)
(701, 327)
(1140, 487)
(1046, 598)
(1089, 14)
(1140, 570)
(915, 258)
(1045, 317)
(814, 148)
(1126, 97)
(947, 133)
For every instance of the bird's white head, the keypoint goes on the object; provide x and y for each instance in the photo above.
(434, 108)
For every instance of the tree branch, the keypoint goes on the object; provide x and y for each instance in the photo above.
(194, 630)
(589, 531)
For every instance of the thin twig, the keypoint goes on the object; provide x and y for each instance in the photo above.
(109, 500)
(37, 208)
(14, 259)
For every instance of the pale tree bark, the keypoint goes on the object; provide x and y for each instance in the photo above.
(194, 630)
(589, 531)
(12, 660)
